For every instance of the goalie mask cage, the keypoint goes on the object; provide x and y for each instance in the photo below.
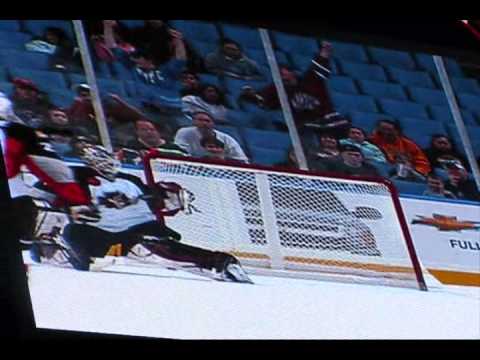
(295, 224)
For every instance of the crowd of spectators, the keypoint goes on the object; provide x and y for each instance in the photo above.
(183, 116)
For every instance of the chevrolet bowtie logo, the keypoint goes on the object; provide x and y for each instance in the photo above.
(446, 223)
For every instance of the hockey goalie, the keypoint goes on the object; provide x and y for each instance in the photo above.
(111, 210)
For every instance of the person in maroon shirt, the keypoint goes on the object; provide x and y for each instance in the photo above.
(308, 95)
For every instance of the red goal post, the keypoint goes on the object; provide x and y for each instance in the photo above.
(292, 222)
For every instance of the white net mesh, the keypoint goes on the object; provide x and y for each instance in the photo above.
(290, 221)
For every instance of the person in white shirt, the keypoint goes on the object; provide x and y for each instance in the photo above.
(189, 138)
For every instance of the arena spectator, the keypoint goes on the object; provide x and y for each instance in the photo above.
(99, 32)
(442, 149)
(229, 60)
(160, 41)
(29, 103)
(81, 111)
(358, 137)
(148, 136)
(56, 43)
(309, 97)
(399, 149)
(58, 119)
(143, 64)
(350, 162)
(211, 100)
(190, 84)
(79, 143)
(214, 148)
(189, 138)
(328, 150)
(460, 184)
(436, 187)
(60, 140)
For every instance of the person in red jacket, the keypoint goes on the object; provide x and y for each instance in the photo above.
(398, 149)
(309, 97)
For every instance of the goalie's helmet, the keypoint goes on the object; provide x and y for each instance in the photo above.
(100, 159)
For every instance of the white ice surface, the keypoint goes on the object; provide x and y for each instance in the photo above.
(176, 304)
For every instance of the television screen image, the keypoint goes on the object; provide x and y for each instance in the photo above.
(196, 218)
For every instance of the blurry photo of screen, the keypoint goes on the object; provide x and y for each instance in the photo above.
(239, 183)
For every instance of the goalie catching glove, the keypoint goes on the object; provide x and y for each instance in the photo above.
(170, 198)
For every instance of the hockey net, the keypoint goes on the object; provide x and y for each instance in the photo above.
(293, 224)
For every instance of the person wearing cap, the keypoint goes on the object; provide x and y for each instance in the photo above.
(351, 162)
(29, 103)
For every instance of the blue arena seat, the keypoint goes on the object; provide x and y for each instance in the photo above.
(266, 139)
(428, 96)
(268, 157)
(367, 121)
(204, 48)
(465, 86)
(259, 56)
(105, 85)
(9, 25)
(245, 36)
(403, 109)
(410, 188)
(13, 40)
(425, 62)
(267, 119)
(295, 44)
(349, 52)
(233, 132)
(3, 74)
(469, 102)
(6, 88)
(234, 86)
(443, 113)
(393, 58)
(45, 80)
(240, 119)
(146, 92)
(25, 59)
(209, 79)
(343, 84)
(102, 69)
(411, 78)
(420, 130)
(133, 23)
(197, 30)
(130, 87)
(301, 62)
(37, 27)
(474, 136)
(363, 71)
(62, 99)
(380, 89)
(120, 71)
(282, 58)
(347, 103)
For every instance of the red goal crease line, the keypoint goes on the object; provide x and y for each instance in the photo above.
(337, 263)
